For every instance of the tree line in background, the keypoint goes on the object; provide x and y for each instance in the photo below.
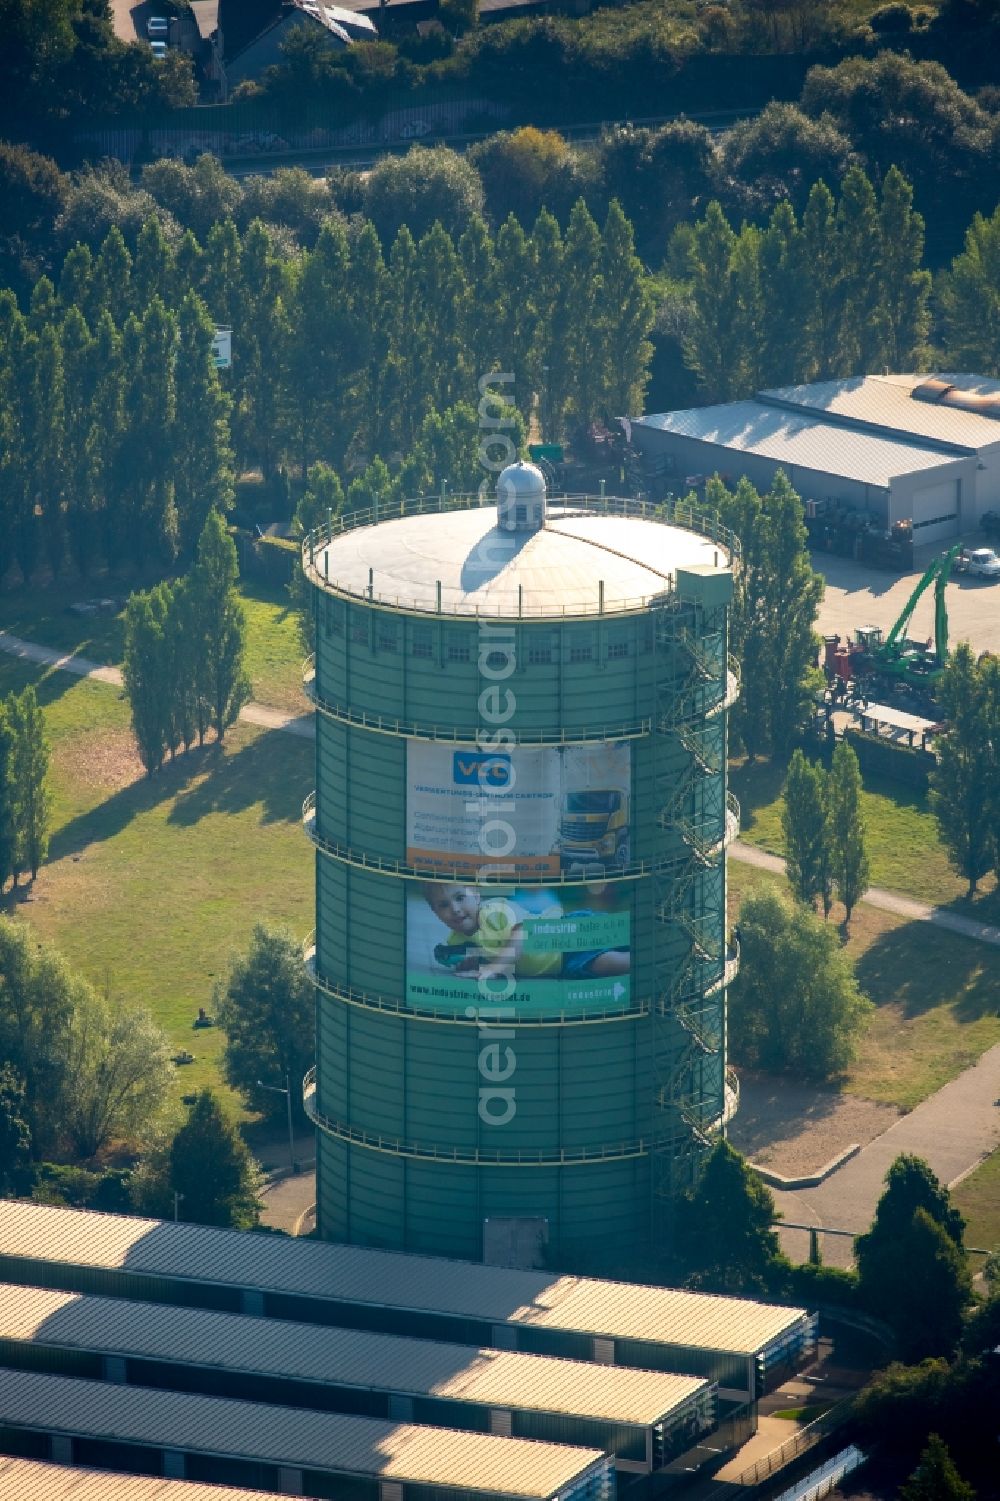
(841, 292)
(185, 645)
(875, 113)
(640, 60)
(113, 423)
(118, 434)
(61, 62)
(25, 799)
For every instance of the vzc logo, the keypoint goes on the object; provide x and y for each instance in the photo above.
(470, 769)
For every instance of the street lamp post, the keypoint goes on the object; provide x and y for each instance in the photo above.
(287, 1092)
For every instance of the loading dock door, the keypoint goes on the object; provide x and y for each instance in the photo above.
(935, 513)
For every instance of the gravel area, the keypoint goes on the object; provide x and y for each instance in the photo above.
(796, 1128)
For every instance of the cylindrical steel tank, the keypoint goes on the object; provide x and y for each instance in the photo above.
(520, 823)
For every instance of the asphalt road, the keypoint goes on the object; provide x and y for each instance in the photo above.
(953, 1131)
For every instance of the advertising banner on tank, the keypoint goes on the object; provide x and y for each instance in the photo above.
(538, 950)
(539, 812)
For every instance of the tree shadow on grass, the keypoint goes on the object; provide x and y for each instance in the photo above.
(775, 1109)
(919, 967)
(50, 683)
(269, 594)
(756, 784)
(274, 770)
(109, 818)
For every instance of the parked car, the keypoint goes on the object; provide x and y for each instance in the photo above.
(159, 49)
(158, 28)
(982, 563)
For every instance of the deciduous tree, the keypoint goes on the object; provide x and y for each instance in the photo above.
(963, 784)
(267, 1008)
(215, 1178)
(970, 299)
(28, 770)
(625, 318)
(119, 1062)
(796, 1006)
(147, 678)
(203, 459)
(220, 624)
(805, 822)
(15, 1137)
(777, 595)
(724, 1238)
(848, 835)
(911, 1266)
(936, 1478)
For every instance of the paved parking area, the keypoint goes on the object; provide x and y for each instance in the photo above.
(130, 16)
(857, 594)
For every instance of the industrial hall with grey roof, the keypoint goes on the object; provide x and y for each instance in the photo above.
(921, 451)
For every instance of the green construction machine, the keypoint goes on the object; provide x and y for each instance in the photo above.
(917, 664)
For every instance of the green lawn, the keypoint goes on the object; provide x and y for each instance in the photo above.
(937, 999)
(274, 651)
(152, 884)
(906, 852)
(978, 1197)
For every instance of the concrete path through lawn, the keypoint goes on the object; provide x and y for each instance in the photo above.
(953, 1131)
(83, 667)
(302, 725)
(886, 901)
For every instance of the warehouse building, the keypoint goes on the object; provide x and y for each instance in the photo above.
(521, 727)
(36, 1480)
(643, 1418)
(284, 1450)
(906, 451)
(744, 1346)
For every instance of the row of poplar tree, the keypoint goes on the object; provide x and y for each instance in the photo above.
(185, 645)
(826, 850)
(24, 795)
(118, 434)
(841, 292)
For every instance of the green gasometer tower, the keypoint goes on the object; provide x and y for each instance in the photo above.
(520, 822)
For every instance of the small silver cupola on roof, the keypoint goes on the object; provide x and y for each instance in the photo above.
(521, 498)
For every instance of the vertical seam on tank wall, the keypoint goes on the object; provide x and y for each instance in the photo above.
(348, 1071)
(559, 1087)
(404, 1111)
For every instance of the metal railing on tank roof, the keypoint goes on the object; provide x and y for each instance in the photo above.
(676, 513)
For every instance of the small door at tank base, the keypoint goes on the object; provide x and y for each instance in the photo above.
(515, 1240)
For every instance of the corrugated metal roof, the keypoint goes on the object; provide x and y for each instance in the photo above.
(291, 1436)
(391, 1279)
(801, 440)
(31, 1480)
(887, 402)
(308, 1352)
(558, 569)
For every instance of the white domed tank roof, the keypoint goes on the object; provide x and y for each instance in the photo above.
(521, 498)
